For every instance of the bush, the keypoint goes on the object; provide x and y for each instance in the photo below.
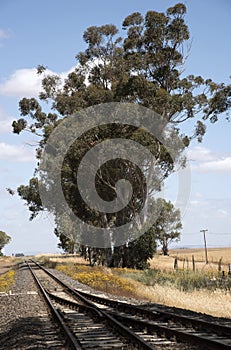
(99, 278)
(6, 281)
(185, 280)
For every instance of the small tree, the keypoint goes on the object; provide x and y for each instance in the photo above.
(168, 224)
(4, 239)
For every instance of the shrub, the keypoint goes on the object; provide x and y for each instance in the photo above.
(185, 280)
(6, 281)
(99, 278)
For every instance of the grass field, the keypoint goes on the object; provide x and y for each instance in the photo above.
(184, 257)
(213, 301)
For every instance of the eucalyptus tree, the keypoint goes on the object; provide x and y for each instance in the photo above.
(143, 66)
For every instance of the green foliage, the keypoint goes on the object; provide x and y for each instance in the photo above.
(168, 224)
(144, 67)
(67, 235)
(30, 193)
(185, 280)
(4, 239)
(100, 279)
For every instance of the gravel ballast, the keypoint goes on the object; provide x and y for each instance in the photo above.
(25, 322)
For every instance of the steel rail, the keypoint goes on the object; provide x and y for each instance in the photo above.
(181, 335)
(156, 314)
(115, 324)
(70, 338)
(185, 335)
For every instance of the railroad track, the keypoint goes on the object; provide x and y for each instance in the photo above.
(83, 325)
(208, 335)
(151, 329)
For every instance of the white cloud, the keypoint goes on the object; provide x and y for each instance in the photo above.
(21, 83)
(16, 153)
(216, 166)
(5, 126)
(207, 161)
(26, 82)
(5, 123)
(199, 153)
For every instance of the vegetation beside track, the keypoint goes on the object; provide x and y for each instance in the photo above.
(101, 279)
(6, 281)
(159, 284)
(186, 280)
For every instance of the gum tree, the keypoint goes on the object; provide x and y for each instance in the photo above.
(145, 67)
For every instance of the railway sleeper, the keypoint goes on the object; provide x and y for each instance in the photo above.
(91, 335)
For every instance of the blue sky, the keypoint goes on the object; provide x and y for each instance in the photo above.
(50, 33)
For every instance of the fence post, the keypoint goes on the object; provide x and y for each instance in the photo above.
(219, 264)
(175, 264)
(229, 273)
(193, 263)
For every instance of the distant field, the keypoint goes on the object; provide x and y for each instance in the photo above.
(184, 257)
(159, 261)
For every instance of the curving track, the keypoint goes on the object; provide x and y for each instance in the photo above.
(97, 322)
(83, 325)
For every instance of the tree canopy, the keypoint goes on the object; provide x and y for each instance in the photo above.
(4, 239)
(168, 224)
(144, 66)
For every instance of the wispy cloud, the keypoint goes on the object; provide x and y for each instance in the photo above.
(207, 161)
(3, 35)
(16, 153)
(216, 166)
(5, 123)
(26, 82)
(5, 126)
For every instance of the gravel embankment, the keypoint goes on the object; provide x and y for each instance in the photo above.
(24, 319)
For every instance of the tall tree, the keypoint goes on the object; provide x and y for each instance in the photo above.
(4, 239)
(168, 224)
(145, 67)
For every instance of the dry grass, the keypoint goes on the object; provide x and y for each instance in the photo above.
(62, 258)
(120, 282)
(7, 263)
(216, 303)
(214, 254)
(184, 257)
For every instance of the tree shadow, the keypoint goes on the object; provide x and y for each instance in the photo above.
(30, 333)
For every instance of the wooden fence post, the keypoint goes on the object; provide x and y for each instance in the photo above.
(175, 264)
(193, 263)
(219, 264)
